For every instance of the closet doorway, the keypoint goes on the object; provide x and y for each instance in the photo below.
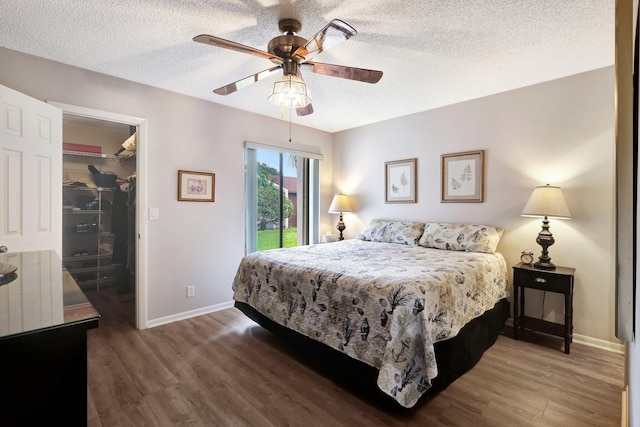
(103, 200)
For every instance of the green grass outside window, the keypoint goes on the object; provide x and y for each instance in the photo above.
(269, 239)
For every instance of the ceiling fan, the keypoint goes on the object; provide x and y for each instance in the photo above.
(290, 53)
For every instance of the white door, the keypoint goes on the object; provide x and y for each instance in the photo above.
(30, 173)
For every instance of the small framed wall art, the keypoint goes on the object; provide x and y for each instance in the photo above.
(463, 177)
(196, 186)
(400, 181)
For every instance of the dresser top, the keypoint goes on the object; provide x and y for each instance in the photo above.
(42, 295)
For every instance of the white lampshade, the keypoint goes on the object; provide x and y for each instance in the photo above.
(339, 204)
(290, 91)
(547, 201)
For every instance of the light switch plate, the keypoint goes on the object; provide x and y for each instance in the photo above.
(153, 214)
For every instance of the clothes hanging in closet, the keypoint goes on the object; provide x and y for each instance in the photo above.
(120, 226)
(123, 226)
(131, 234)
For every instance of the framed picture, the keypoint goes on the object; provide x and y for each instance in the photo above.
(196, 186)
(463, 177)
(400, 181)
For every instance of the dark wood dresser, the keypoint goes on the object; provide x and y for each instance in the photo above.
(44, 318)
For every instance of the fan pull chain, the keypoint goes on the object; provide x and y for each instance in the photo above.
(290, 124)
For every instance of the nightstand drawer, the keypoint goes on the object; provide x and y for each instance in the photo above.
(538, 279)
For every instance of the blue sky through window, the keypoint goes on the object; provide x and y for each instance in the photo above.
(271, 159)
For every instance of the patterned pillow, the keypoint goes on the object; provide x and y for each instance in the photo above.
(403, 232)
(461, 237)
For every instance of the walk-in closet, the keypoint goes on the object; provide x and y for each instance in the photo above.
(99, 206)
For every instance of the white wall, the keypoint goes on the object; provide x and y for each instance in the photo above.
(560, 132)
(199, 244)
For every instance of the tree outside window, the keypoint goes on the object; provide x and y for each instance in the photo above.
(269, 199)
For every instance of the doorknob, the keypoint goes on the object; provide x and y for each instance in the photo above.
(3, 249)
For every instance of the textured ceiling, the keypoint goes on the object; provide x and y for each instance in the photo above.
(432, 52)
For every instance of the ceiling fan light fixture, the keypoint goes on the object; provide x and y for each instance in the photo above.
(290, 91)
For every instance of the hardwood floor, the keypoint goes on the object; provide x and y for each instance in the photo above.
(222, 369)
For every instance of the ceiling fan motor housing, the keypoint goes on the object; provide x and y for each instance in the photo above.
(283, 46)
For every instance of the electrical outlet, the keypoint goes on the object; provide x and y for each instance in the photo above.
(191, 291)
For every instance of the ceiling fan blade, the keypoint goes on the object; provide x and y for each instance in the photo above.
(305, 111)
(227, 44)
(334, 33)
(344, 72)
(241, 84)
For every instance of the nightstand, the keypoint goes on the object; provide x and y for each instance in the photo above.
(559, 280)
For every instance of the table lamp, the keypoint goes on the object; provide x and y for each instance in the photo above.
(340, 204)
(546, 201)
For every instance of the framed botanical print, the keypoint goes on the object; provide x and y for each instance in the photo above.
(463, 177)
(196, 186)
(400, 181)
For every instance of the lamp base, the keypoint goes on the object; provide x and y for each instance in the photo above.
(545, 239)
(341, 227)
(543, 265)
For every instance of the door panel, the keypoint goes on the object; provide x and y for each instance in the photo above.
(30, 173)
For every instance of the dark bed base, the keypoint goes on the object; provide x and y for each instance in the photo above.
(455, 356)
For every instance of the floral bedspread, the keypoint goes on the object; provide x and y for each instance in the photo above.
(381, 303)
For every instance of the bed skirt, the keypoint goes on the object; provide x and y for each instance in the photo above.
(454, 356)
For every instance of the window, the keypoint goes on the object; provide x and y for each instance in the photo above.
(282, 194)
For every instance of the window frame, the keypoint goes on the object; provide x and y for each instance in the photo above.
(308, 185)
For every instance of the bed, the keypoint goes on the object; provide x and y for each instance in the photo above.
(394, 299)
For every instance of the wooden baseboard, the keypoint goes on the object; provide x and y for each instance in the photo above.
(590, 341)
(189, 314)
